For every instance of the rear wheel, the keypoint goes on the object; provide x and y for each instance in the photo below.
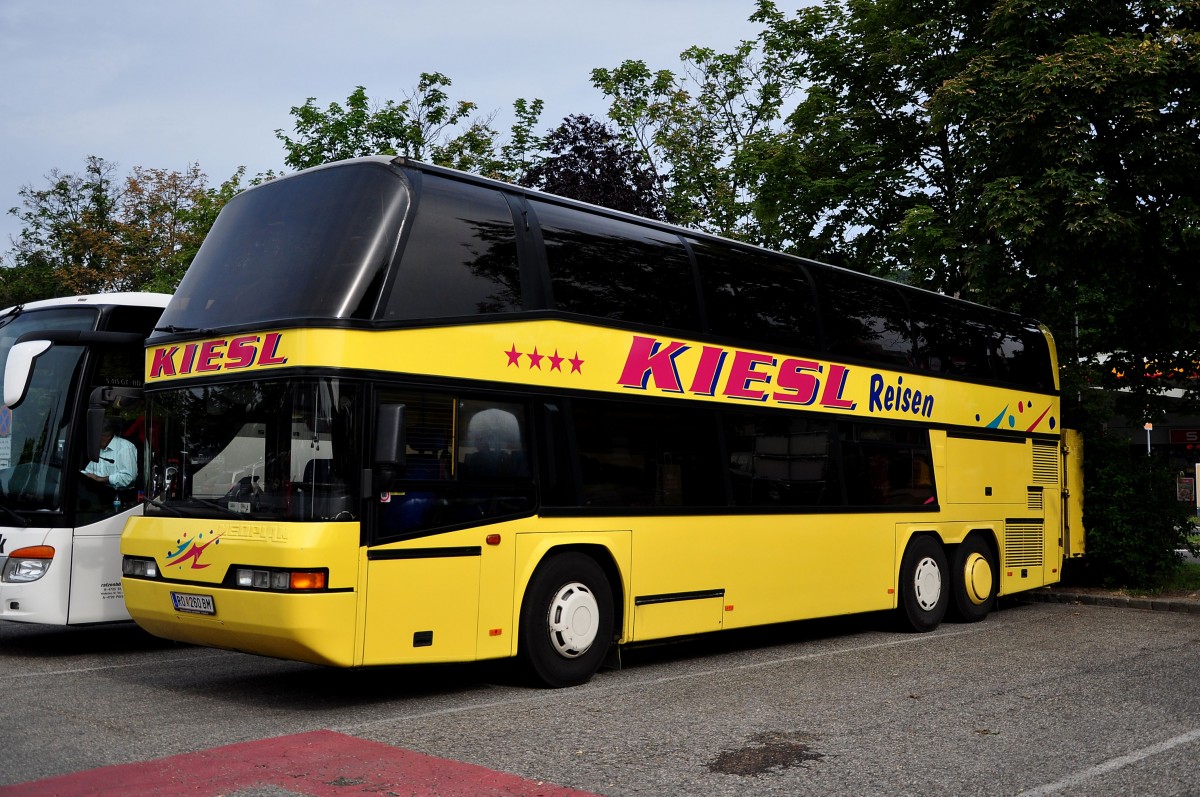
(973, 576)
(924, 591)
(566, 620)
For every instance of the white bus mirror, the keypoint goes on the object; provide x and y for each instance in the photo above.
(19, 369)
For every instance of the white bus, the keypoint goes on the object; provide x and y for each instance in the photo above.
(60, 532)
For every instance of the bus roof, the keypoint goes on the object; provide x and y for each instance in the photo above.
(121, 298)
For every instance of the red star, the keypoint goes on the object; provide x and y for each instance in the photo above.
(535, 359)
(576, 364)
(556, 362)
(514, 356)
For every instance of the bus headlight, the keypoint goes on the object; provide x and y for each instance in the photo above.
(139, 568)
(280, 580)
(27, 564)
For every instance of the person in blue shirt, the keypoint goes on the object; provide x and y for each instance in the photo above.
(117, 466)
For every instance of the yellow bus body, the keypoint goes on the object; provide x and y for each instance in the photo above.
(456, 596)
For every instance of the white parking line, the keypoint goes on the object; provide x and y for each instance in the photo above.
(1112, 764)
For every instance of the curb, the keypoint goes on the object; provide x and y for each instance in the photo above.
(1047, 595)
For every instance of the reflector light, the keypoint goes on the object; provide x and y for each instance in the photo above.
(492, 539)
(302, 580)
(33, 552)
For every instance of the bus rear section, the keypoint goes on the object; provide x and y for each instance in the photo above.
(60, 529)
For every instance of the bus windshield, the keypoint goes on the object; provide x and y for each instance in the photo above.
(33, 442)
(269, 450)
(336, 241)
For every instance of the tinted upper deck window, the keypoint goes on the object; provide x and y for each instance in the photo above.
(460, 257)
(312, 245)
(864, 318)
(617, 269)
(756, 296)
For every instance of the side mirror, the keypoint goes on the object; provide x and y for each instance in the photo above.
(389, 436)
(19, 369)
(95, 429)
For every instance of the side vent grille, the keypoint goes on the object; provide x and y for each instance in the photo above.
(1045, 462)
(1023, 544)
(1034, 499)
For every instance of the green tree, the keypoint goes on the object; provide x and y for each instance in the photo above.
(1080, 122)
(860, 175)
(703, 131)
(585, 160)
(94, 232)
(425, 125)
(69, 232)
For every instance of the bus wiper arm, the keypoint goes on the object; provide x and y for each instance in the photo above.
(215, 505)
(174, 330)
(162, 506)
(11, 315)
(20, 520)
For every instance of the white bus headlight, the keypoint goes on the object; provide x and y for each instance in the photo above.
(27, 564)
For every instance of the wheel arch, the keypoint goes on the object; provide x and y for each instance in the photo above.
(603, 553)
(985, 533)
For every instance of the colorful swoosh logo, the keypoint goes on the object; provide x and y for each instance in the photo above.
(1006, 418)
(191, 549)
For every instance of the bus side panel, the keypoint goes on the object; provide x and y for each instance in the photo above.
(96, 595)
(770, 568)
(422, 609)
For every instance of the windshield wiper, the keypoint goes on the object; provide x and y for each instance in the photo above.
(20, 520)
(11, 315)
(215, 505)
(174, 330)
(163, 507)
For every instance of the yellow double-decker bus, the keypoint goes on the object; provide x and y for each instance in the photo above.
(401, 414)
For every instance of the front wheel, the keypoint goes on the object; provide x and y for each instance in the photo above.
(566, 620)
(924, 592)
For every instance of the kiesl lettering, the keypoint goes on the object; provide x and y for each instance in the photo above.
(678, 367)
(223, 354)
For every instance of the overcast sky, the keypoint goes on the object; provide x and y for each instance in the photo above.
(165, 83)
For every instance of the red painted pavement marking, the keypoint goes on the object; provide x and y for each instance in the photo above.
(320, 764)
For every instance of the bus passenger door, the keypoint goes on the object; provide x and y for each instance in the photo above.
(1072, 458)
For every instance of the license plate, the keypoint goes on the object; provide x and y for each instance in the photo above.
(196, 604)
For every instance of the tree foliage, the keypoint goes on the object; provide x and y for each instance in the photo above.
(703, 131)
(585, 160)
(425, 124)
(93, 232)
(1135, 527)
(1080, 121)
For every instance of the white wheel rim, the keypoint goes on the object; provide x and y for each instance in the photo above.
(927, 583)
(573, 620)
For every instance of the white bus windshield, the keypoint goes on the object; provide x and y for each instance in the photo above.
(34, 436)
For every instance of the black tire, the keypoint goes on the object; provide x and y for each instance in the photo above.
(566, 620)
(924, 587)
(974, 580)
